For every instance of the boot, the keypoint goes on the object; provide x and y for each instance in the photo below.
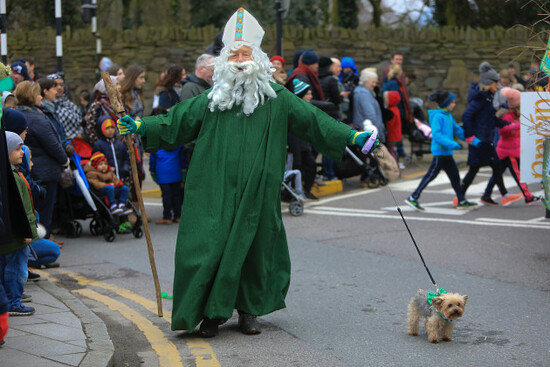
(248, 324)
(209, 327)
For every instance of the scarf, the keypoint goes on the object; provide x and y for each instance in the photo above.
(313, 77)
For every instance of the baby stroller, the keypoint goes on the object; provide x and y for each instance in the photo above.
(288, 194)
(80, 202)
(356, 163)
(420, 132)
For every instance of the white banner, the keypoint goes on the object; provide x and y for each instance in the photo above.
(535, 112)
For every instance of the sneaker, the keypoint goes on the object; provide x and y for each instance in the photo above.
(26, 298)
(466, 205)
(488, 201)
(33, 276)
(414, 204)
(125, 210)
(455, 201)
(21, 311)
(510, 198)
(124, 228)
(533, 200)
(115, 210)
(401, 166)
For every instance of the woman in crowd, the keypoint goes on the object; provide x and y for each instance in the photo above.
(166, 89)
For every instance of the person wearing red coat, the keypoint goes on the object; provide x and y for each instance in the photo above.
(508, 147)
(391, 100)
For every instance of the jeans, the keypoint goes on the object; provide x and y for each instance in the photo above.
(13, 274)
(45, 207)
(113, 192)
(46, 252)
(447, 164)
(171, 200)
(328, 168)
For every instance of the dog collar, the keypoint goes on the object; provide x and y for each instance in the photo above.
(443, 317)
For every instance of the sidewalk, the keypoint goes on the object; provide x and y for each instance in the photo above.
(62, 332)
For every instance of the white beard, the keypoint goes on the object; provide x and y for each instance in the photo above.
(243, 84)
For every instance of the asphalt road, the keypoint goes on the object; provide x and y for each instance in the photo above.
(354, 270)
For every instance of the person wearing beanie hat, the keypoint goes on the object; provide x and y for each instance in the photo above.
(240, 127)
(114, 149)
(6, 82)
(479, 122)
(104, 180)
(442, 147)
(279, 74)
(307, 71)
(16, 122)
(508, 146)
(14, 255)
(302, 90)
(9, 100)
(20, 73)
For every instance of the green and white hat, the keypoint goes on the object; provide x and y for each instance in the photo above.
(242, 29)
(300, 88)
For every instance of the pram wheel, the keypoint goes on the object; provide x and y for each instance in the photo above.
(296, 208)
(73, 229)
(137, 232)
(372, 182)
(110, 235)
(95, 228)
(383, 181)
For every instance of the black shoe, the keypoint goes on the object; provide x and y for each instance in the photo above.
(248, 324)
(55, 264)
(209, 327)
(33, 276)
(2, 342)
(309, 195)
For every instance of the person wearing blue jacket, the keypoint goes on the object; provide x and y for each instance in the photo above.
(114, 150)
(168, 168)
(444, 131)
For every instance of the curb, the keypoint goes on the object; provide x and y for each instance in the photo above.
(100, 347)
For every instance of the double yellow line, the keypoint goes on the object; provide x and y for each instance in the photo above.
(167, 352)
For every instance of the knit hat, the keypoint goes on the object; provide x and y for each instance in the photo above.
(100, 86)
(513, 96)
(14, 121)
(54, 76)
(296, 57)
(19, 67)
(97, 158)
(487, 75)
(300, 88)
(324, 62)
(442, 97)
(310, 57)
(278, 58)
(108, 122)
(105, 63)
(13, 141)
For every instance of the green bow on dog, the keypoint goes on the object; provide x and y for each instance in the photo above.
(431, 295)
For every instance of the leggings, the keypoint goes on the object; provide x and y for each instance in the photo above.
(512, 164)
(497, 174)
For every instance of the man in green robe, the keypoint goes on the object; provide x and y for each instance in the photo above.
(231, 250)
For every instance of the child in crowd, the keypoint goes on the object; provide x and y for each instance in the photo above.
(114, 150)
(508, 147)
(103, 179)
(444, 131)
(391, 100)
(85, 100)
(168, 168)
(14, 256)
(9, 100)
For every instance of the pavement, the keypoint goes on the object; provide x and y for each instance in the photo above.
(64, 332)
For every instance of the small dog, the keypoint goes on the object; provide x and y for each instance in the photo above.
(439, 317)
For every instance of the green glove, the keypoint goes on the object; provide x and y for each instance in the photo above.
(126, 125)
(154, 177)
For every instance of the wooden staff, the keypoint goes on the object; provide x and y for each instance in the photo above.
(118, 108)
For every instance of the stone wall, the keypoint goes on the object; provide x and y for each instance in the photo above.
(440, 57)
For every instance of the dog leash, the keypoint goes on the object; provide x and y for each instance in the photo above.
(413, 240)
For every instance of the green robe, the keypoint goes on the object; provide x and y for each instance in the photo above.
(231, 250)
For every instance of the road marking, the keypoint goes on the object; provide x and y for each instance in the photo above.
(201, 350)
(167, 352)
(477, 222)
(350, 210)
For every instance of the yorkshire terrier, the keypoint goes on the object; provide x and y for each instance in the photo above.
(439, 310)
